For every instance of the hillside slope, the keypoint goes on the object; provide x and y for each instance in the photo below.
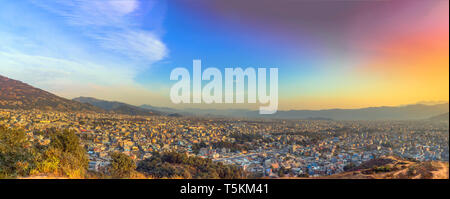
(18, 95)
(396, 168)
(441, 117)
(117, 107)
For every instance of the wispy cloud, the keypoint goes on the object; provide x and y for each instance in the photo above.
(113, 24)
(135, 44)
(45, 70)
(81, 47)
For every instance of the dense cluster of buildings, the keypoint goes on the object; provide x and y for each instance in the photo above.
(281, 147)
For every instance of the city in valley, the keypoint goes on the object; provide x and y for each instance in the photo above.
(260, 147)
(254, 89)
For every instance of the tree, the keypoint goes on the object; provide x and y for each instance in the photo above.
(63, 156)
(66, 150)
(172, 164)
(67, 141)
(15, 153)
(122, 166)
(350, 166)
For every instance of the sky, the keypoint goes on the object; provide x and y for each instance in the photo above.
(330, 53)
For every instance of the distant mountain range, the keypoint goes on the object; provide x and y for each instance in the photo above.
(408, 112)
(117, 107)
(441, 117)
(160, 109)
(17, 95)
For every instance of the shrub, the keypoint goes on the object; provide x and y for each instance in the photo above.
(122, 166)
(15, 153)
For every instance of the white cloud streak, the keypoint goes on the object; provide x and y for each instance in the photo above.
(47, 55)
(134, 44)
(112, 24)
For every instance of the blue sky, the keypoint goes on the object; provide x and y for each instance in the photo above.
(117, 50)
(81, 47)
(330, 54)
